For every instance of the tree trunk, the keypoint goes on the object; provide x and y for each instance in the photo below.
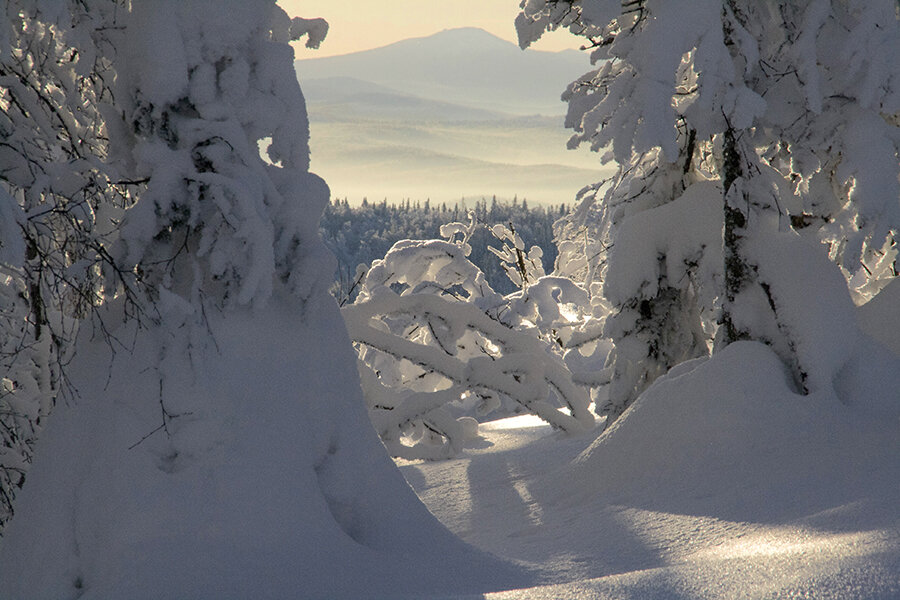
(736, 269)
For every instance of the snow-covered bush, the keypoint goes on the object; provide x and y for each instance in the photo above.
(434, 337)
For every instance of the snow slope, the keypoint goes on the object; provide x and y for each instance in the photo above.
(720, 482)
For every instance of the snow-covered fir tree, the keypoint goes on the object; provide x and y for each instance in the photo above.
(745, 81)
(195, 107)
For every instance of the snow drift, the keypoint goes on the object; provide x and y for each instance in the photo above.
(730, 437)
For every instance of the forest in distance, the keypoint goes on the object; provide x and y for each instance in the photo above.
(360, 234)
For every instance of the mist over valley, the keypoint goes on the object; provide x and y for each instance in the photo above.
(457, 114)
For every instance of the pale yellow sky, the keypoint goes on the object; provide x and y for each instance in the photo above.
(362, 24)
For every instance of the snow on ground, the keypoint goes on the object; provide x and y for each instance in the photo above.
(270, 482)
(720, 482)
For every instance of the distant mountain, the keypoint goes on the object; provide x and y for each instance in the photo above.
(468, 67)
(345, 98)
(459, 113)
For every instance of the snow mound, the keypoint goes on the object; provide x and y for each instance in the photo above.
(880, 316)
(270, 482)
(730, 438)
(815, 312)
(719, 482)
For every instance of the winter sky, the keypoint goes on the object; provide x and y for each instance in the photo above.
(363, 24)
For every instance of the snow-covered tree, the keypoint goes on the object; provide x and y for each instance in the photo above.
(435, 338)
(656, 321)
(196, 108)
(362, 234)
(220, 446)
(728, 91)
(831, 126)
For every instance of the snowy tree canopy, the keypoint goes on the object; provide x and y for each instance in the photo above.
(200, 101)
(804, 81)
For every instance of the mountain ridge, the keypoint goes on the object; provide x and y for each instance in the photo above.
(466, 66)
(344, 97)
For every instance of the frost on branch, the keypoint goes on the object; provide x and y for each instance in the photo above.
(28, 387)
(522, 268)
(434, 337)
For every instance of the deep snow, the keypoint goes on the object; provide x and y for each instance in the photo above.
(231, 456)
(720, 482)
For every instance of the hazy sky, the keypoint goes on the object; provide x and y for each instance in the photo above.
(363, 24)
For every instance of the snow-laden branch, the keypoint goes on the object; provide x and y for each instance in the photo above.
(522, 368)
(434, 337)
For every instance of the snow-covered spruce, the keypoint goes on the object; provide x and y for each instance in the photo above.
(225, 450)
(199, 98)
(657, 323)
(434, 336)
(785, 148)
